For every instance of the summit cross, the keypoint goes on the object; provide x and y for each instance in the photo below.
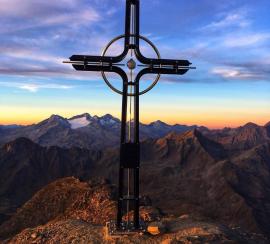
(128, 188)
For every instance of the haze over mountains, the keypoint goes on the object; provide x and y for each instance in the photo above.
(221, 175)
(93, 132)
(82, 131)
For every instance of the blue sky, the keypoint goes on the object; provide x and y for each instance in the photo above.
(228, 42)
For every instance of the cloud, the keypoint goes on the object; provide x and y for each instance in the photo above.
(19, 15)
(24, 61)
(246, 40)
(84, 17)
(17, 8)
(34, 87)
(237, 73)
(234, 19)
(32, 55)
(65, 72)
(37, 35)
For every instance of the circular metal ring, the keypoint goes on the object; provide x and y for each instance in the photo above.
(105, 77)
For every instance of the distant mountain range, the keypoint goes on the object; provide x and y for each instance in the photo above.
(93, 132)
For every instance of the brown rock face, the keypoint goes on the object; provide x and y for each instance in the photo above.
(26, 167)
(67, 198)
(241, 138)
(187, 173)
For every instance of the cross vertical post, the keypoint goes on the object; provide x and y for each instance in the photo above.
(129, 187)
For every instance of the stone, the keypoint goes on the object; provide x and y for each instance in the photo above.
(34, 235)
(156, 228)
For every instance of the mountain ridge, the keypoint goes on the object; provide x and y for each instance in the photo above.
(84, 131)
(94, 132)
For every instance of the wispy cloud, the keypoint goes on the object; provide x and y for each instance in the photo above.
(31, 54)
(235, 19)
(38, 12)
(45, 17)
(236, 73)
(246, 40)
(64, 72)
(36, 36)
(34, 87)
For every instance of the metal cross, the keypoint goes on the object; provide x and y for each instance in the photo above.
(130, 147)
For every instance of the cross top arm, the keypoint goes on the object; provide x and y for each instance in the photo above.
(132, 39)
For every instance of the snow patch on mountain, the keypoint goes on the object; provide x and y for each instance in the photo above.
(78, 122)
(106, 122)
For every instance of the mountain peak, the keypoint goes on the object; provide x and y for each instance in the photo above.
(250, 125)
(84, 115)
(108, 119)
(190, 134)
(54, 120)
(158, 123)
(195, 138)
(55, 117)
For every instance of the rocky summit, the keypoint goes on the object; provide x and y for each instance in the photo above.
(71, 211)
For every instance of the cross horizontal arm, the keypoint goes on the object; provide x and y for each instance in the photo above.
(168, 71)
(112, 69)
(96, 59)
(105, 68)
(160, 62)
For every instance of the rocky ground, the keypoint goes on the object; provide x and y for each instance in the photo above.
(71, 211)
(178, 230)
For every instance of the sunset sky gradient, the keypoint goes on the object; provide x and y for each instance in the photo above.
(228, 42)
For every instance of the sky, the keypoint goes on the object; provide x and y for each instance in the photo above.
(227, 41)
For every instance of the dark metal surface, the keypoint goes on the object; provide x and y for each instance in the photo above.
(131, 46)
(129, 149)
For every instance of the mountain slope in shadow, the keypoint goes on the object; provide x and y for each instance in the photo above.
(26, 167)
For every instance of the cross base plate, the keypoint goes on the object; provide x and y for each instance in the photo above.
(127, 228)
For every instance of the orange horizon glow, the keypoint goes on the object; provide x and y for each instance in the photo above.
(212, 116)
(209, 121)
